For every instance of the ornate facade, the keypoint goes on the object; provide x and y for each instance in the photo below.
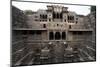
(51, 36)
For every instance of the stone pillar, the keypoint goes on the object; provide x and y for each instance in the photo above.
(54, 34)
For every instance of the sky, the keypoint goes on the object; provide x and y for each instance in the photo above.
(83, 10)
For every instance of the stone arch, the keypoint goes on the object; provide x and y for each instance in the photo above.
(57, 36)
(51, 35)
(63, 35)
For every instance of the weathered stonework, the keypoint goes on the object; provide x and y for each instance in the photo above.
(52, 36)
